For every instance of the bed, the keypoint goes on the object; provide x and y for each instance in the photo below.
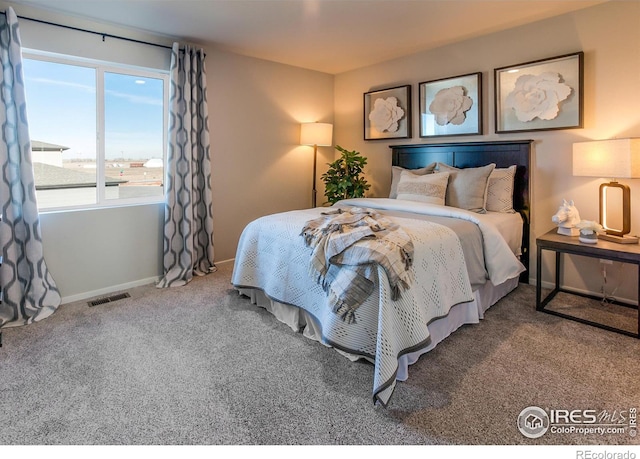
(464, 259)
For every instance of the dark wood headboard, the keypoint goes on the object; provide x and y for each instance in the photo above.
(474, 154)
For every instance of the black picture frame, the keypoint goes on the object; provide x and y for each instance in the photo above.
(451, 106)
(557, 82)
(387, 113)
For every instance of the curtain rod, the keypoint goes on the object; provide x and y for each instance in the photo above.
(102, 34)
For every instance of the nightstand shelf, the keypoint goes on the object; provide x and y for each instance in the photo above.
(605, 250)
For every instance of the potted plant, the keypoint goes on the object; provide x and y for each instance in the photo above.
(344, 179)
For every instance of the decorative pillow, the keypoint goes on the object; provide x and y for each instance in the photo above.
(395, 176)
(500, 190)
(467, 187)
(430, 188)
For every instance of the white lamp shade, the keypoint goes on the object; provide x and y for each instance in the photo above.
(320, 134)
(615, 158)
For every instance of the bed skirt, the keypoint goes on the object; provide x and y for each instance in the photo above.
(439, 329)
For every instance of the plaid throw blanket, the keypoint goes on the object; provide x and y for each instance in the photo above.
(348, 246)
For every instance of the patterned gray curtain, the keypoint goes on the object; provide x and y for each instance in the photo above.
(29, 292)
(188, 218)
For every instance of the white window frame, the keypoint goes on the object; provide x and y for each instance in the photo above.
(102, 67)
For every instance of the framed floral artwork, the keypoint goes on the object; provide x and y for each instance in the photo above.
(451, 106)
(540, 95)
(387, 113)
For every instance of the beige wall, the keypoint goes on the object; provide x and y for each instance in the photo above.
(255, 108)
(609, 35)
(255, 111)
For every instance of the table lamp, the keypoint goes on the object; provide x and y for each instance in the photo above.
(318, 135)
(612, 159)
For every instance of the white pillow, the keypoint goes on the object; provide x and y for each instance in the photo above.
(500, 190)
(430, 188)
(397, 170)
(467, 187)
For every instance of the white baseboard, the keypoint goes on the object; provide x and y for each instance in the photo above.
(121, 287)
(108, 290)
(230, 260)
(551, 285)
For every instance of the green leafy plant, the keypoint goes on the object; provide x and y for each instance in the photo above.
(344, 179)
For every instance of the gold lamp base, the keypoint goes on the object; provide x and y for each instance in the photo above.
(626, 239)
(620, 236)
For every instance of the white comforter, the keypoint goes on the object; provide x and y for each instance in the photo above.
(500, 260)
(272, 256)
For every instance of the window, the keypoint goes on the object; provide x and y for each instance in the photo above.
(98, 132)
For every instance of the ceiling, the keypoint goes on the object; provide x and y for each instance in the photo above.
(331, 36)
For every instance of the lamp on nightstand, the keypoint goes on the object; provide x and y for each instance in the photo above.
(614, 159)
(318, 135)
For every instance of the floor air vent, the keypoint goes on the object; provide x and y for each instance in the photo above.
(109, 299)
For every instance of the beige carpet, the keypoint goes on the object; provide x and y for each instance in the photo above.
(201, 365)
